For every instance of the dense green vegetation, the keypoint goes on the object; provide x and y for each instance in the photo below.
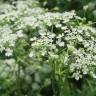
(48, 48)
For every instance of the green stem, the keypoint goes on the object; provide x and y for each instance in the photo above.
(53, 79)
(53, 73)
(18, 80)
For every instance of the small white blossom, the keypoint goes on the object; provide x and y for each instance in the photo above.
(31, 54)
(9, 52)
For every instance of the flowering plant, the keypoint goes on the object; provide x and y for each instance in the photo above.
(44, 46)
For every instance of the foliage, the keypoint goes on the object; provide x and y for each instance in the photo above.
(83, 7)
(44, 52)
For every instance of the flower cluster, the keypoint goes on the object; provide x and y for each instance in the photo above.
(50, 35)
(8, 39)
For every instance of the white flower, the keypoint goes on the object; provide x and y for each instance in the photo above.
(7, 38)
(20, 33)
(58, 25)
(9, 52)
(77, 75)
(31, 54)
(33, 39)
(60, 43)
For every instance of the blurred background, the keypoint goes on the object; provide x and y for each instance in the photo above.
(85, 8)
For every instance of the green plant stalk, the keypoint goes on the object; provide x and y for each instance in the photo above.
(18, 79)
(53, 79)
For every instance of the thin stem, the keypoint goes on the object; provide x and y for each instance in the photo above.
(53, 73)
(18, 79)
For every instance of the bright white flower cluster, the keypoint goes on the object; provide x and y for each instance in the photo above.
(81, 63)
(51, 35)
(8, 39)
(81, 38)
(5, 8)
